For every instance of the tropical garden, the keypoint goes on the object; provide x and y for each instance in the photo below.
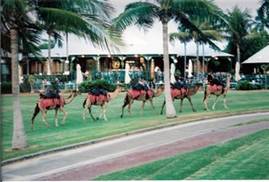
(25, 21)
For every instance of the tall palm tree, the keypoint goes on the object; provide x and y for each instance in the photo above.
(184, 37)
(237, 27)
(144, 13)
(89, 19)
(14, 16)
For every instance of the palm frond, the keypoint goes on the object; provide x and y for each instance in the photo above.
(139, 13)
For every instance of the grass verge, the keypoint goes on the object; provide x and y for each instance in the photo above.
(243, 158)
(76, 130)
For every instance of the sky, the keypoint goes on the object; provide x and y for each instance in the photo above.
(140, 42)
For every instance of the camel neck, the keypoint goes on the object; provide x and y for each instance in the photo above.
(69, 99)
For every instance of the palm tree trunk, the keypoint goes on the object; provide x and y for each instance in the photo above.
(67, 52)
(19, 137)
(185, 58)
(203, 49)
(49, 55)
(197, 58)
(237, 64)
(170, 109)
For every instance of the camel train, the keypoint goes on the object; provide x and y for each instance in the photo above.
(213, 87)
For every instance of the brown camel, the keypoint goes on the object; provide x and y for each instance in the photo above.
(101, 100)
(217, 90)
(45, 104)
(182, 94)
(140, 96)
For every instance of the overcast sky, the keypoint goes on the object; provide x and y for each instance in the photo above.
(252, 5)
(150, 41)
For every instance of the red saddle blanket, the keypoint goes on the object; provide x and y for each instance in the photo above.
(215, 88)
(137, 93)
(178, 92)
(98, 98)
(53, 102)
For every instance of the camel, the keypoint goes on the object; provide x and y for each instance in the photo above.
(101, 100)
(45, 104)
(140, 96)
(216, 90)
(182, 94)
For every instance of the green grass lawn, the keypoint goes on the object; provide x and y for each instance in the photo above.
(76, 130)
(244, 158)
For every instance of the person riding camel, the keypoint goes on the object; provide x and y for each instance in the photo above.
(180, 83)
(214, 81)
(52, 91)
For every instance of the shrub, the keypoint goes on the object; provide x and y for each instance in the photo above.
(87, 85)
(6, 88)
(245, 85)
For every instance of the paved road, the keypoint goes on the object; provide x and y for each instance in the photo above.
(87, 162)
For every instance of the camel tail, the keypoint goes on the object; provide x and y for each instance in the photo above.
(36, 111)
(84, 103)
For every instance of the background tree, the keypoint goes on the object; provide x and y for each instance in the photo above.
(144, 14)
(184, 37)
(237, 29)
(263, 15)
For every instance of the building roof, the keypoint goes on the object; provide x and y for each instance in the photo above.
(261, 57)
(137, 42)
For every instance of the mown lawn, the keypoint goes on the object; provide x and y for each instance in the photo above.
(76, 130)
(244, 158)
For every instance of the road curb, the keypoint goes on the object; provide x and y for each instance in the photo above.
(172, 122)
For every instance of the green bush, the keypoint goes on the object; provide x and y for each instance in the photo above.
(6, 88)
(25, 86)
(87, 85)
(245, 85)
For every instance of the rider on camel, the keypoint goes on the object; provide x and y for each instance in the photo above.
(214, 81)
(52, 90)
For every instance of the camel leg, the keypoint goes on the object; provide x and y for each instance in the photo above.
(189, 99)
(214, 105)
(224, 102)
(65, 114)
(104, 111)
(44, 115)
(205, 101)
(143, 106)
(162, 107)
(181, 105)
(36, 111)
(151, 103)
(56, 117)
(123, 106)
(90, 111)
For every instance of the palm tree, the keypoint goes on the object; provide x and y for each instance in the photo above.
(144, 13)
(184, 37)
(14, 16)
(238, 24)
(89, 19)
(20, 16)
(208, 34)
(263, 15)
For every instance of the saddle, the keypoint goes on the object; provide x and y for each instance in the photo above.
(216, 88)
(94, 99)
(137, 93)
(51, 102)
(178, 92)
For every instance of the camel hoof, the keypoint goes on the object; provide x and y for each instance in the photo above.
(121, 116)
(194, 110)
(180, 111)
